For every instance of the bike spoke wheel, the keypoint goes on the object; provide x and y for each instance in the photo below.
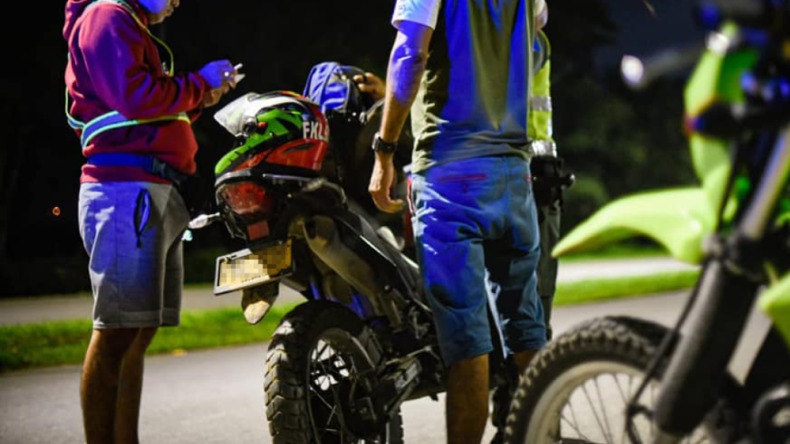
(317, 368)
(330, 385)
(587, 404)
(578, 387)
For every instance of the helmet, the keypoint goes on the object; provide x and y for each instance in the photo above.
(278, 133)
(276, 128)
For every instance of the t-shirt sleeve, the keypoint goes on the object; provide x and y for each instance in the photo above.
(424, 12)
(539, 5)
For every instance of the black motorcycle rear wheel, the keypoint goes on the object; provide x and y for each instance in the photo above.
(316, 369)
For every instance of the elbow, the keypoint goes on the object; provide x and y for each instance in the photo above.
(411, 48)
(412, 43)
(409, 56)
(418, 55)
(409, 59)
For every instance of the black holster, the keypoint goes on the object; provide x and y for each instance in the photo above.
(549, 179)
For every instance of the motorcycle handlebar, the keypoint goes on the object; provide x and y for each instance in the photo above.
(752, 13)
(771, 15)
(763, 14)
(637, 73)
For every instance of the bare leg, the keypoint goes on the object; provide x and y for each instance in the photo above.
(523, 359)
(467, 400)
(130, 388)
(99, 384)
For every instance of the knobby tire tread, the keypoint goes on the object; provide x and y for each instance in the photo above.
(286, 360)
(625, 339)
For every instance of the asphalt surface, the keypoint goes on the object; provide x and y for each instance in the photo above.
(215, 396)
(25, 310)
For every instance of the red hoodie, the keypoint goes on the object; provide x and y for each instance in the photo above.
(115, 65)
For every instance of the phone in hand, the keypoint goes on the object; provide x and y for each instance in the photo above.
(238, 77)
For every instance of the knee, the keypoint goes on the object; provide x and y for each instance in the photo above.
(113, 342)
(118, 342)
(144, 338)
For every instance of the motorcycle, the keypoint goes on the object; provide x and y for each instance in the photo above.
(339, 365)
(722, 374)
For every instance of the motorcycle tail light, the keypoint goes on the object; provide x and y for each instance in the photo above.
(250, 200)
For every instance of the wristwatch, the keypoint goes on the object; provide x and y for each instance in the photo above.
(380, 145)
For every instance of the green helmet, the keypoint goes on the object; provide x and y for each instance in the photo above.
(276, 128)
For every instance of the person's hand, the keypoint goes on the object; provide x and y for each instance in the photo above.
(382, 181)
(213, 96)
(219, 74)
(372, 84)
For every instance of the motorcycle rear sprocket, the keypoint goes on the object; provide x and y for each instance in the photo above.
(316, 354)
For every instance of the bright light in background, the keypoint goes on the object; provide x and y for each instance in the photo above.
(56, 211)
(633, 70)
(718, 43)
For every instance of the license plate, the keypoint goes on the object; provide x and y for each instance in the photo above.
(247, 268)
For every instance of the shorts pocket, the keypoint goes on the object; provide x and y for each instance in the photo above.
(86, 214)
(142, 214)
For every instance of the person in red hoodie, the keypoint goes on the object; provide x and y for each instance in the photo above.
(132, 114)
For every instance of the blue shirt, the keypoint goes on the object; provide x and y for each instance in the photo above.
(473, 97)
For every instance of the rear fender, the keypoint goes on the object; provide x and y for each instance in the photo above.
(677, 219)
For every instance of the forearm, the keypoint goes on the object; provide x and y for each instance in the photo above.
(405, 69)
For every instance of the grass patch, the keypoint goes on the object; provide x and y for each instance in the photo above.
(217, 328)
(600, 289)
(64, 342)
(43, 344)
(641, 248)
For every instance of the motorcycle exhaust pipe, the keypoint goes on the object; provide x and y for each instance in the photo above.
(323, 238)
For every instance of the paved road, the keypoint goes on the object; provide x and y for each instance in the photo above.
(26, 309)
(215, 396)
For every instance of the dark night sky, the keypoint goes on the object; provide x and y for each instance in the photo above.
(643, 33)
(275, 57)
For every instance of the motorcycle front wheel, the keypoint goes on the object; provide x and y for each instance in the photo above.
(577, 388)
(315, 383)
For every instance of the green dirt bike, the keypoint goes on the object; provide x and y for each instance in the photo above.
(624, 379)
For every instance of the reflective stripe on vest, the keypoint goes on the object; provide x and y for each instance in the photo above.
(543, 148)
(540, 129)
(540, 103)
(540, 110)
(114, 119)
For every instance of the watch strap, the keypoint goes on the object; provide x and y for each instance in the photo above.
(380, 145)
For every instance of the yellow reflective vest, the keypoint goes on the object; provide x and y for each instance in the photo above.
(540, 129)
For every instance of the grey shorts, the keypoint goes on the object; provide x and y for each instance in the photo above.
(132, 232)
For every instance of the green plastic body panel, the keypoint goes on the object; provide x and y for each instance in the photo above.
(677, 219)
(775, 302)
(681, 219)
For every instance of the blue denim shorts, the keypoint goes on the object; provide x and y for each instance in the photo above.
(132, 232)
(477, 241)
